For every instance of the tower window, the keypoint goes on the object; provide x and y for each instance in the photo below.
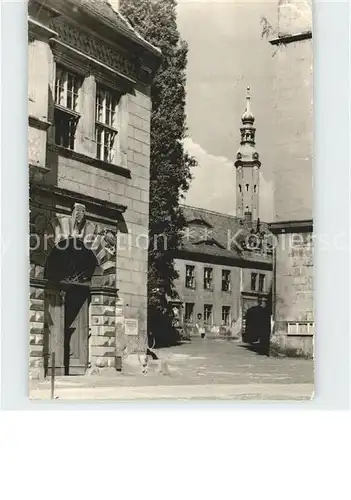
(239, 188)
(247, 187)
(255, 188)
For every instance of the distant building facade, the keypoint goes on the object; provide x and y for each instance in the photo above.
(89, 147)
(225, 262)
(293, 146)
(220, 277)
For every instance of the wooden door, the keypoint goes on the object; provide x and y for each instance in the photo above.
(76, 330)
(53, 330)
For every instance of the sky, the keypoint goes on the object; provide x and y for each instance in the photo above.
(226, 54)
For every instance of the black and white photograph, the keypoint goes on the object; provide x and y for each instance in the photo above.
(170, 152)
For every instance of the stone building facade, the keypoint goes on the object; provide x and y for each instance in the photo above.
(89, 113)
(293, 146)
(225, 262)
(224, 266)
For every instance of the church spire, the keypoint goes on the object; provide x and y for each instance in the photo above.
(248, 130)
(248, 116)
(247, 166)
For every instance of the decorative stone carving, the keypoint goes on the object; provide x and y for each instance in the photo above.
(96, 49)
(109, 239)
(78, 218)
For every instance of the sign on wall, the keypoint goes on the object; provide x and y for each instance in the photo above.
(131, 327)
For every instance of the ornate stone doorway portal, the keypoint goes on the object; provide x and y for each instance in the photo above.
(69, 270)
(73, 292)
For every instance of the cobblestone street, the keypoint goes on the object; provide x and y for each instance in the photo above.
(209, 369)
(222, 362)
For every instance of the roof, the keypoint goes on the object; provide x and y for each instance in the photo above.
(222, 235)
(102, 10)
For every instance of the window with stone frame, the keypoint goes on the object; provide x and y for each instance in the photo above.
(253, 281)
(106, 123)
(208, 278)
(226, 315)
(226, 280)
(189, 312)
(261, 279)
(66, 113)
(190, 277)
(208, 314)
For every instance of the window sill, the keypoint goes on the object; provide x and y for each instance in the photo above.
(95, 162)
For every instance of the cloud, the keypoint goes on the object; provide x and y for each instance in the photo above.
(214, 184)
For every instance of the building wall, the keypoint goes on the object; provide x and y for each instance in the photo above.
(293, 131)
(238, 298)
(294, 314)
(124, 182)
(293, 121)
(294, 288)
(133, 192)
(293, 196)
(218, 298)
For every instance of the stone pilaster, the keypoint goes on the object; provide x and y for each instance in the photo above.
(36, 329)
(86, 126)
(102, 340)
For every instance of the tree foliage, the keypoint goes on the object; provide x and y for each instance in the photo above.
(170, 165)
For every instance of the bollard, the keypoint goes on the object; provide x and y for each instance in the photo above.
(118, 363)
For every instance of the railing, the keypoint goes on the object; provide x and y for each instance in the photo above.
(301, 328)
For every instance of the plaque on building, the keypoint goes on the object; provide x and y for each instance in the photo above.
(131, 327)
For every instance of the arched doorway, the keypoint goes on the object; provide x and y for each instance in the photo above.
(70, 270)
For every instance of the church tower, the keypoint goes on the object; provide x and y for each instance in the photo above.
(247, 167)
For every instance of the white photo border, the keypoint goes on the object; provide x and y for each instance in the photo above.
(331, 40)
